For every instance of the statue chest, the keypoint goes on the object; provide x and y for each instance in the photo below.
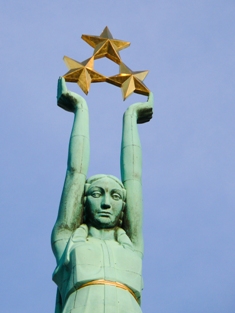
(107, 259)
(100, 259)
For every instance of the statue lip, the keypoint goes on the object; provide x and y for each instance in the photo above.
(104, 213)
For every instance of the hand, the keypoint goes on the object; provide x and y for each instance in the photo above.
(142, 110)
(68, 100)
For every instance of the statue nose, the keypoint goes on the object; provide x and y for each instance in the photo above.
(106, 202)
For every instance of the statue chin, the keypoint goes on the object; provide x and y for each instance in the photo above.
(103, 222)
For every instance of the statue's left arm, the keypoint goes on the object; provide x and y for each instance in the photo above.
(131, 168)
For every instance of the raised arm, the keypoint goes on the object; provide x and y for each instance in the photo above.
(131, 168)
(71, 206)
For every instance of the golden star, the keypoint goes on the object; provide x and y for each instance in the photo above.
(82, 73)
(129, 81)
(106, 46)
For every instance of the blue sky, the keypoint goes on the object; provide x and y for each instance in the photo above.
(188, 147)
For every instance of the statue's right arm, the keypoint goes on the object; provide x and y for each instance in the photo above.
(71, 203)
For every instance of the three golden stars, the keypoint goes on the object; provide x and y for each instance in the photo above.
(105, 46)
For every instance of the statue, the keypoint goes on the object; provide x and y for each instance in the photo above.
(97, 238)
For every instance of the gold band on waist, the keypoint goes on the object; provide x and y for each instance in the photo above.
(110, 283)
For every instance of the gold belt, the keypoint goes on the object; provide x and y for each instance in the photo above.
(110, 283)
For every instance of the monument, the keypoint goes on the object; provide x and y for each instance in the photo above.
(97, 239)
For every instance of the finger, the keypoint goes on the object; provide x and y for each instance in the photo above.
(146, 112)
(61, 87)
(150, 98)
(65, 102)
(144, 119)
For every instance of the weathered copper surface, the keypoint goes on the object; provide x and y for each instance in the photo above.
(97, 238)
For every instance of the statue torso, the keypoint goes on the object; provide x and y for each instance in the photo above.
(87, 259)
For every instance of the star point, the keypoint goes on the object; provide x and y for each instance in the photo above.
(82, 73)
(105, 46)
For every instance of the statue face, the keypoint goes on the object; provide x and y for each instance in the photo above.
(104, 203)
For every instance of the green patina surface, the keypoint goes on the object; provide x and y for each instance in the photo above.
(98, 231)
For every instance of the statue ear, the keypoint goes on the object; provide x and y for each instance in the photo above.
(122, 214)
(121, 219)
(123, 206)
(124, 194)
(84, 200)
(84, 219)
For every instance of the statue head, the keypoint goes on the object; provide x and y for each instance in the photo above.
(104, 201)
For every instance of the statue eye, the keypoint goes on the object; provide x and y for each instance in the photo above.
(116, 196)
(96, 194)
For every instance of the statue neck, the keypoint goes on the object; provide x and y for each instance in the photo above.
(103, 234)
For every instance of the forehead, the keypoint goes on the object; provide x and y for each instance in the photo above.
(106, 183)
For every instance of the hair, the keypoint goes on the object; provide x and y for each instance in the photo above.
(94, 178)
